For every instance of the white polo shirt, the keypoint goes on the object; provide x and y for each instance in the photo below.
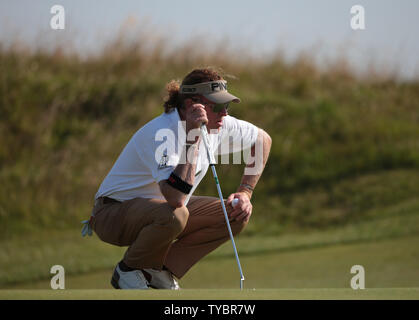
(155, 150)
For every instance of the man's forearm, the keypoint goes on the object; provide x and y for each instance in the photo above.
(249, 181)
(185, 170)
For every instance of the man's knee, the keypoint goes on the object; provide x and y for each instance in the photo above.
(173, 218)
(181, 217)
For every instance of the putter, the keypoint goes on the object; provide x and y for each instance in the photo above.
(211, 160)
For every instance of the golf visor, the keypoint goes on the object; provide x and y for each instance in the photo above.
(215, 91)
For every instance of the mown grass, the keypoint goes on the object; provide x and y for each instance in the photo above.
(196, 294)
(29, 259)
(64, 120)
(315, 273)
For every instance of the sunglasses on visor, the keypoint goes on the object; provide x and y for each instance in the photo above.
(218, 107)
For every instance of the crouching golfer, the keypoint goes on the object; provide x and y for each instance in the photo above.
(146, 203)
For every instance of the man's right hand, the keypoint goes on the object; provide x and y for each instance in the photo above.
(195, 117)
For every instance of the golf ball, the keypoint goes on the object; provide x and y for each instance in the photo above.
(234, 202)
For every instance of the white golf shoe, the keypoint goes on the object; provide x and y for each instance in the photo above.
(162, 279)
(128, 280)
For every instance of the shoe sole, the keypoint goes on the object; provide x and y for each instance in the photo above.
(115, 280)
(149, 278)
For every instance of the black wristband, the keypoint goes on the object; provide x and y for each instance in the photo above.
(177, 183)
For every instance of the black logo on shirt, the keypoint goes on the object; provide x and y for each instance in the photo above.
(163, 161)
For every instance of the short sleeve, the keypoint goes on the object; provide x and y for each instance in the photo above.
(236, 135)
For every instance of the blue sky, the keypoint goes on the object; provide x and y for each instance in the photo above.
(391, 35)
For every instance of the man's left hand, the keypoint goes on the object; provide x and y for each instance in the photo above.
(243, 209)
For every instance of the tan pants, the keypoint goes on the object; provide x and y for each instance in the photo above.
(149, 227)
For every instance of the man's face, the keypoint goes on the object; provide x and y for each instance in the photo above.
(215, 119)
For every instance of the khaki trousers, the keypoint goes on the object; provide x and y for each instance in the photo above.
(158, 235)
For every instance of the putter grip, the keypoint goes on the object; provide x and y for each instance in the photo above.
(205, 137)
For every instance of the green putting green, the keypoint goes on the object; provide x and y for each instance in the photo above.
(212, 294)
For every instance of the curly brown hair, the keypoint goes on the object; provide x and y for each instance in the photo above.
(175, 99)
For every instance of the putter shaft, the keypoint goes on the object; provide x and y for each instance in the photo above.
(211, 160)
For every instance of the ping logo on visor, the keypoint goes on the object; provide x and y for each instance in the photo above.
(204, 87)
(219, 85)
(215, 91)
